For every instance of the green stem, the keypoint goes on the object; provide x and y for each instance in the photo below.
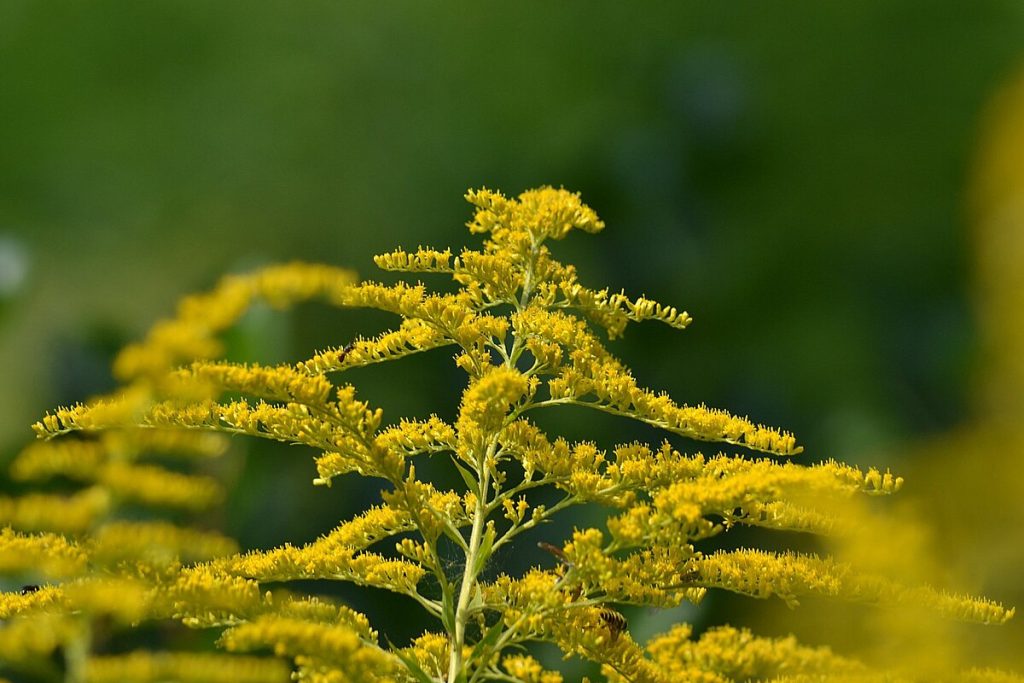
(76, 653)
(528, 283)
(483, 509)
(469, 574)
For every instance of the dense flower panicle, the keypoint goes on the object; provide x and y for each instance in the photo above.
(638, 466)
(432, 512)
(72, 514)
(452, 316)
(615, 391)
(783, 515)
(430, 652)
(527, 599)
(45, 554)
(593, 371)
(279, 383)
(737, 654)
(485, 404)
(192, 333)
(157, 542)
(345, 424)
(432, 435)
(79, 459)
(614, 311)
(338, 555)
(43, 599)
(29, 641)
(369, 527)
(791, 575)
(123, 599)
(529, 335)
(87, 462)
(203, 597)
(973, 675)
(529, 670)
(540, 612)
(289, 563)
(334, 464)
(662, 576)
(338, 645)
(490, 278)
(321, 611)
(207, 595)
(423, 260)
(412, 336)
(154, 667)
(75, 458)
(102, 414)
(585, 633)
(735, 489)
(160, 487)
(537, 214)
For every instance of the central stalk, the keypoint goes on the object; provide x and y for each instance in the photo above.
(469, 574)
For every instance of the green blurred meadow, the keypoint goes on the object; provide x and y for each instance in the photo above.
(792, 174)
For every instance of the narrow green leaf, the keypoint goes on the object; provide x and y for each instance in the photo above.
(488, 641)
(484, 552)
(471, 482)
(447, 610)
(410, 663)
(477, 601)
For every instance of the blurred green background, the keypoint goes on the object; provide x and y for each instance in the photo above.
(792, 174)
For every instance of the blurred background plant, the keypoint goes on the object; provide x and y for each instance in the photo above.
(803, 173)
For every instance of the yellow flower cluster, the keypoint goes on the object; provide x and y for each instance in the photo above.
(49, 554)
(535, 216)
(528, 670)
(485, 405)
(72, 514)
(412, 336)
(30, 641)
(737, 490)
(156, 543)
(430, 653)
(280, 383)
(423, 260)
(288, 563)
(661, 576)
(615, 391)
(790, 575)
(323, 645)
(730, 654)
(191, 335)
(155, 667)
(432, 435)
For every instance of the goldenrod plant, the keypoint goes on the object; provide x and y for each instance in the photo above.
(529, 337)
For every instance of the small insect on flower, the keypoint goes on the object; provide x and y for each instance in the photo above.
(559, 554)
(30, 588)
(615, 622)
(554, 550)
(345, 351)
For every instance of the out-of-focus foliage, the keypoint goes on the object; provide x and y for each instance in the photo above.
(806, 160)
